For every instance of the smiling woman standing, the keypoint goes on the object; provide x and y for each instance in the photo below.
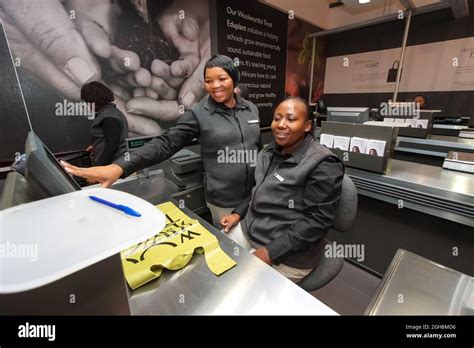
(222, 123)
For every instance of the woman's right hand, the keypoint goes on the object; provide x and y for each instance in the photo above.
(229, 221)
(105, 175)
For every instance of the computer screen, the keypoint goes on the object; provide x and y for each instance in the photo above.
(348, 114)
(44, 176)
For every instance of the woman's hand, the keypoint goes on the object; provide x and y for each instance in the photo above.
(105, 175)
(262, 254)
(91, 181)
(229, 221)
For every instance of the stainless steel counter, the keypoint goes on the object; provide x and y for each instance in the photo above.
(251, 287)
(429, 189)
(151, 188)
(414, 285)
(435, 145)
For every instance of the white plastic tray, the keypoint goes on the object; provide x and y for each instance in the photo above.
(64, 234)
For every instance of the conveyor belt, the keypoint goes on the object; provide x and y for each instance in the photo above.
(432, 190)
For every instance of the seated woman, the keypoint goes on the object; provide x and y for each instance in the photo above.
(294, 201)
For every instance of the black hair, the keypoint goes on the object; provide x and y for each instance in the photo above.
(97, 93)
(226, 63)
(420, 95)
(244, 91)
(307, 109)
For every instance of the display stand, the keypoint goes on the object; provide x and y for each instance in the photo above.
(377, 164)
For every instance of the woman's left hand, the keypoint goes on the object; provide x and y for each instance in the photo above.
(262, 254)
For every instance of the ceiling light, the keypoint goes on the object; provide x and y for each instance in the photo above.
(363, 1)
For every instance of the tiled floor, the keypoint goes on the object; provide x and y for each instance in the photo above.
(350, 292)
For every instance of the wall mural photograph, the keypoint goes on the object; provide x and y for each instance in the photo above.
(149, 53)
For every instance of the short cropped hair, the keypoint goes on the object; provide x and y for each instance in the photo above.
(307, 110)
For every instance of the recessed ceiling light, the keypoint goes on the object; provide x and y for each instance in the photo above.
(363, 1)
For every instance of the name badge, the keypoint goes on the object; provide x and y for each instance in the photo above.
(278, 176)
(253, 121)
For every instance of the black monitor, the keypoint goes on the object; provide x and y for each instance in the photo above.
(43, 176)
(345, 114)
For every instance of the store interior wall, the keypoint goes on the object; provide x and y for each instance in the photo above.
(427, 28)
(69, 133)
(104, 38)
(320, 14)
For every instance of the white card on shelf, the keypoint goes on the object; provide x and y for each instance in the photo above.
(375, 147)
(422, 124)
(411, 123)
(358, 144)
(327, 140)
(341, 143)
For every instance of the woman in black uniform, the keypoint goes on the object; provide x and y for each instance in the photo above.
(227, 127)
(109, 128)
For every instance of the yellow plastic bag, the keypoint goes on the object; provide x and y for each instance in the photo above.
(173, 248)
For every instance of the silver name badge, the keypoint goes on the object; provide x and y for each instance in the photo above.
(253, 121)
(278, 176)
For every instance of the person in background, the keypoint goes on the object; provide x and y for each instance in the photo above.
(222, 123)
(294, 201)
(109, 128)
(243, 91)
(420, 100)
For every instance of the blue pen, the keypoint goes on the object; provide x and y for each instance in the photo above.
(124, 208)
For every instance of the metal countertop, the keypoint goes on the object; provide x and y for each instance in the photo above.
(414, 285)
(250, 288)
(432, 190)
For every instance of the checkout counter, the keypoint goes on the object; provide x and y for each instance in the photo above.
(413, 285)
(425, 209)
(427, 189)
(417, 205)
(431, 150)
(250, 288)
(88, 279)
